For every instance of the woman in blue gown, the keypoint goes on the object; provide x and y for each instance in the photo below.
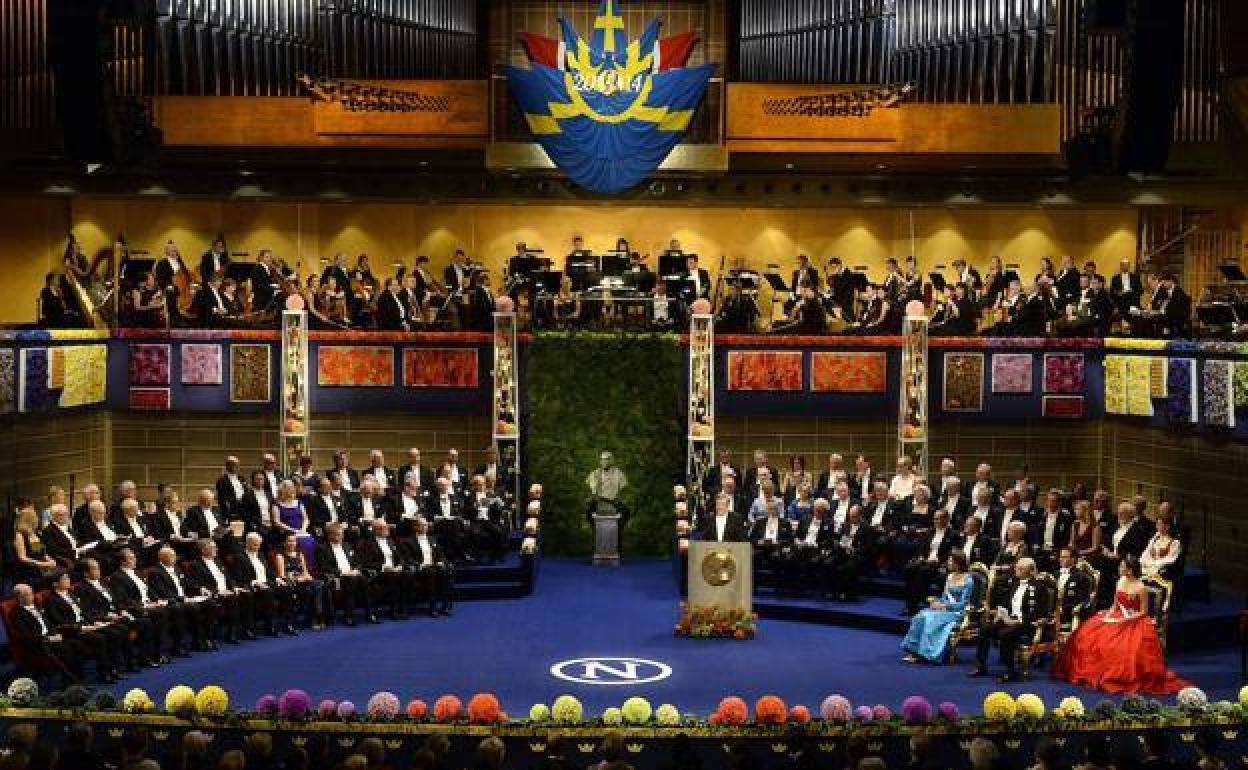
(928, 637)
(292, 518)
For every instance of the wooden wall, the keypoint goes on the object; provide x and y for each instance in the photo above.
(387, 232)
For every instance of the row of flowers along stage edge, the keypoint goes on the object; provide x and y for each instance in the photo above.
(295, 709)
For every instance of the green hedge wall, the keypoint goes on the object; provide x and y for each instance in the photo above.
(591, 391)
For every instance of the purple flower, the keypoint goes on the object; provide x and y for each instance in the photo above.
(948, 711)
(916, 710)
(836, 708)
(864, 713)
(294, 704)
(346, 710)
(267, 704)
(327, 709)
(881, 712)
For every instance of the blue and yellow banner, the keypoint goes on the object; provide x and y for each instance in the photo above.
(608, 110)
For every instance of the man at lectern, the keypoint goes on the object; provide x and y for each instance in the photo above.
(606, 483)
(724, 526)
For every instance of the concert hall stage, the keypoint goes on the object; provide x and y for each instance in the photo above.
(577, 612)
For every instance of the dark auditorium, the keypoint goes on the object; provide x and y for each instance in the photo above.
(623, 384)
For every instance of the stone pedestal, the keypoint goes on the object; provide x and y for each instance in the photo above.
(606, 539)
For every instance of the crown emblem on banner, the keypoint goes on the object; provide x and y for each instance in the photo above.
(537, 748)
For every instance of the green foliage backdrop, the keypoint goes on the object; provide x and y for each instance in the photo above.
(587, 392)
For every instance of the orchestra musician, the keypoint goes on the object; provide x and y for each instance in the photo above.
(955, 314)
(412, 297)
(894, 284)
(429, 288)
(805, 275)
(209, 306)
(174, 277)
(215, 261)
(994, 285)
(808, 315)
(739, 311)
(662, 311)
(146, 304)
(841, 286)
(969, 276)
(337, 269)
(393, 313)
(698, 280)
(566, 306)
(54, 311)
(480, 303)
(912, 282)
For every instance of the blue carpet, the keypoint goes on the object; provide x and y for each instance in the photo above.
(509, 646)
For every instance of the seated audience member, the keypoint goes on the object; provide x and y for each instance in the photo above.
(1014, 613)
(977, 547)
(273, 597)
(840, 503)
(340, 568)
(902, 484)
(385, 477)
(132, 527)
(1131, 535)
(878, 509)
(984, 480)
(795, 476)
(33, 562)
(1050, 531)
(1008, 514)
(234, 603)
(391, 571)
(255, 507)
(487, 525)
(1012, 549)
(913, 520)
(291, 566)
(761, 505)
(1162, 554)
(723, 468)
(60, 542)
(853, 553)
(167, 522)
(432, 568)
(134, 597)
(290, 517)
(101, 606)
(801, 505)
(348, 477)
(230, 487)
(1085, 533)
(723, 526)
(925, 568)
(445, 510)
(755, 473)
(809, 555)
(372, 505)
(306, 476)
(1074, 589)
(770, 534)
(35, 630)
(324, 507)
(1118, 650)
(102, 639)
(97, 530)
(205, 521)
(953, 502)
(861, 480)
(834, 473)
(931, 629)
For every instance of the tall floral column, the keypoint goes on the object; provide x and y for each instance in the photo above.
(701, 452)
(912, 397)
(294, 402)
(506, 411)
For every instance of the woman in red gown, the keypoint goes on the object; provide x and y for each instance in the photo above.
(1117, 650)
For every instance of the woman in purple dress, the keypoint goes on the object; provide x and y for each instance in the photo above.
(290, 516)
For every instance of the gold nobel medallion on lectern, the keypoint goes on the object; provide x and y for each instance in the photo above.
(721, 575)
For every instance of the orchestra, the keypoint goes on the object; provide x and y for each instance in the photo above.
(623, 288)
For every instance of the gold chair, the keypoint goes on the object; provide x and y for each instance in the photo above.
(1160, 591)
(967, 629)
(1045, 639)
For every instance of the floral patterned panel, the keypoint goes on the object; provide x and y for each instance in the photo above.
(201, 364)
(964, 382)
(1011, 373)
(1218, 394)
(1241, 385)
(1181, 384)
(764, 370)
(33, 393)
(250, 377)
(842, 372)
(86, 375)
(149, 364)
(1063, 373)
(1066, 407)
(1157, 377)
(1139, 387)
(150, 399)
(1115, 384)
(371, 367)
(8, 380)
(440, 368)
(56, 368)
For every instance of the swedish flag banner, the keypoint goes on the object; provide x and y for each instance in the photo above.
(608, 111)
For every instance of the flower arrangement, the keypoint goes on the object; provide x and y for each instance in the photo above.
(528, 546)
(881, 713)
(864, 714)
(484, 709)
(732, 711)
(383, 705)
(180, 700)
(836, 708)
(716, 623)
(916, 710)
(1243, 695)
(447, 708)
(327, 709)
(137, 702)
(799, 714)
(1030, 706)
(1192, 699)
(211, 701)
(23, 691)
(636, 711)
(999, 707)
(539, 712)
(667, 715)
(612, 717)
(948, 711)
(294, 704)
(770, 710)
(346, 710)
(417, 709)
(1070, 707)
(567, 710)
(267, 704)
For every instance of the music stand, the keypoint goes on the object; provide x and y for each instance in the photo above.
(937, 280)
(777, 284)
(671, 264)
(1218, 314)
(614, 264)
(547, 281)
(1011, 275)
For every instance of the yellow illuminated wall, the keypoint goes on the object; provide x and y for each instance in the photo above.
(755, 237)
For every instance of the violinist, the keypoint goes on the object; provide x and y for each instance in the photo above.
(955, 312)
(994, 285)
(332, 301)
(363, 283)
(147, 304)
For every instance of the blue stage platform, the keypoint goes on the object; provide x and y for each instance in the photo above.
(508, 646)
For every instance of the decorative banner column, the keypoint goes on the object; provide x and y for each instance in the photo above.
(701, 451)
(293, 393)
(912, 399)
(506, 414)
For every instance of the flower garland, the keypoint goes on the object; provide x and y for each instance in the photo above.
(696, 622)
